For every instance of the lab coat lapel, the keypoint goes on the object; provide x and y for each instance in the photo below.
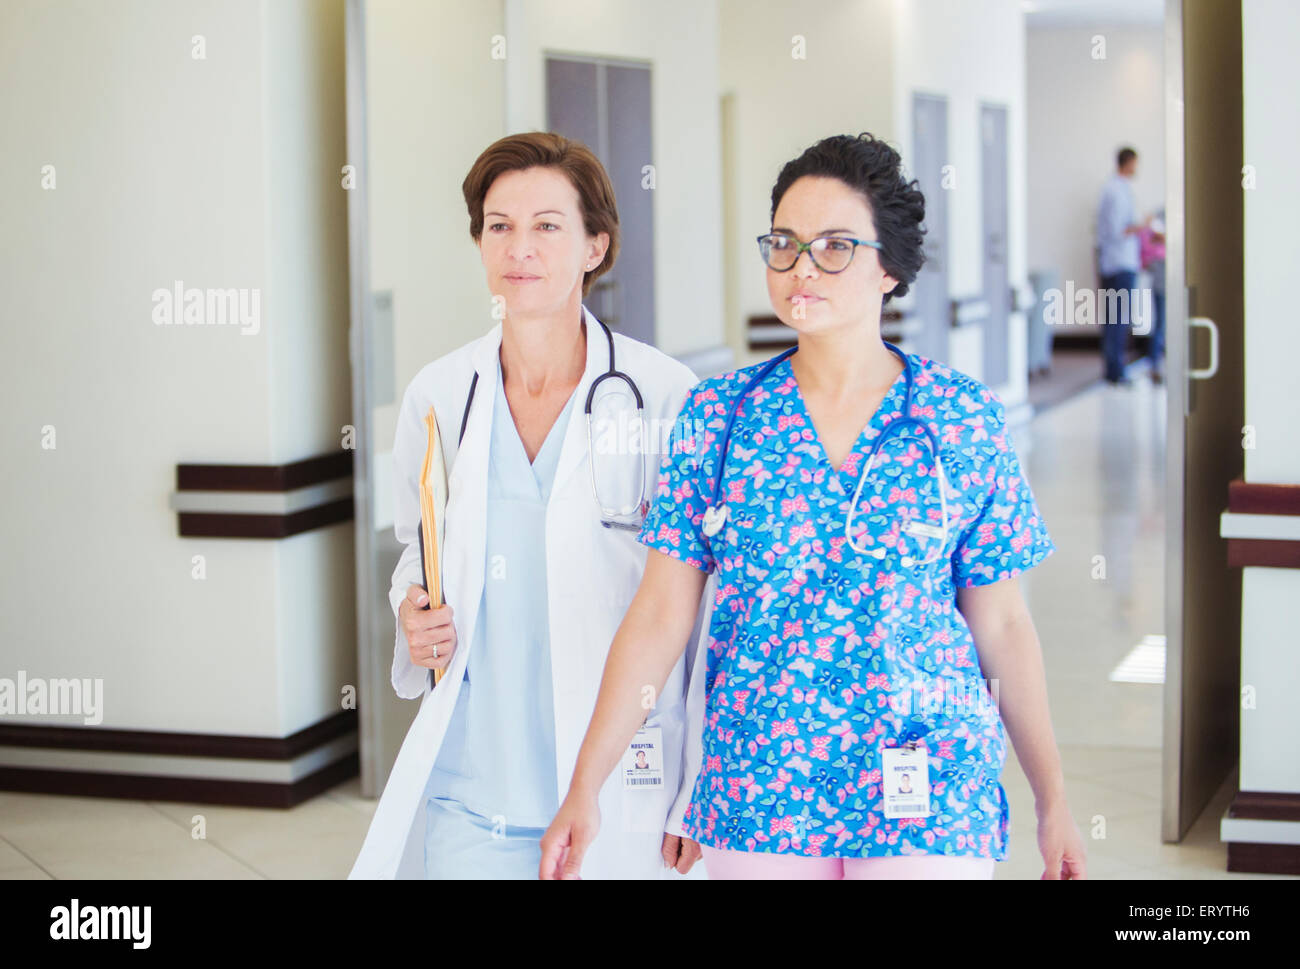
(395, 842)
(574, 451)
(466, 541)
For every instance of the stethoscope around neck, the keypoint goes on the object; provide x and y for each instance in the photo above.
(609, 516)
(717, 512)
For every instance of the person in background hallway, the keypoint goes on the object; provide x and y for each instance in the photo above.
(1152, 244)
(1117, 261)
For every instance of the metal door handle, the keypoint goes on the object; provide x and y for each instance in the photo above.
(1205, 373)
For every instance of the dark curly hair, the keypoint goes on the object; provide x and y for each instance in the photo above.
(872, 167)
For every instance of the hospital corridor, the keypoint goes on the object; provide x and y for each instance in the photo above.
(1095, 463)
(695, 441)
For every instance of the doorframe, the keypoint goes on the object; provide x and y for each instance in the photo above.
(602, 151)
(360, 353)
(944, 322)
(1175, 441)
(1005, 297)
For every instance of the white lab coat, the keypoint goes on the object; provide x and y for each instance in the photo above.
(592, 574)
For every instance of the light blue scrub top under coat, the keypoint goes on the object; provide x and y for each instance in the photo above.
(498, 757)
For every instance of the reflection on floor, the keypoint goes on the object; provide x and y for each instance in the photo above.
(1072, 370)
(1096, 466)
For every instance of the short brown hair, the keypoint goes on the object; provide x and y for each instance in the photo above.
(545, 149)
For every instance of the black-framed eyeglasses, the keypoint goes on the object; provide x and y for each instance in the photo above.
(830, 254)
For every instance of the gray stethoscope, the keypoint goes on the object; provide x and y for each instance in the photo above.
(609, 517)
(715, 514)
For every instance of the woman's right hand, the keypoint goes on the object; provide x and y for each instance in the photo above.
(427, 629)
(571, 832)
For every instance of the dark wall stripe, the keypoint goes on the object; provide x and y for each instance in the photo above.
(195, 524)
(1263, 499)
(188, 789)
(1266, 552)
(264, 477)
(182, 744)
(1262, 859)
(1265, 806)
(755, 326)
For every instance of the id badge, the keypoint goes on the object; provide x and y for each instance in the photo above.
(906, 782)
(643, 761)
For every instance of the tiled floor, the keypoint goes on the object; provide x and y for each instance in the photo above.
(1096, 466)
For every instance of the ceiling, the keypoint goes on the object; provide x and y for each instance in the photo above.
(1083, 13)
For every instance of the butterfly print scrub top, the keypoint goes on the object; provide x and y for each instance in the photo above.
(820, 656)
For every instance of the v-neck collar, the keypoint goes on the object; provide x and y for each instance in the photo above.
(861, 445)
(486, 358)
(549, 444)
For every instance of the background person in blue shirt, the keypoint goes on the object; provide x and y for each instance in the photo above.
(1117, 261)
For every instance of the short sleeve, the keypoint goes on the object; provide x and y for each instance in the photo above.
(1008, 535)
(674, 521)
(1106, 211)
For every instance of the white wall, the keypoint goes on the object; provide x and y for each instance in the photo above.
(435, 99)
(781, 105)
(1112, 102)
(971, 53)
(865, 60)
(213, 172)
(1271, 80)
(1270, 93)
(679, 39)
(309, 369)
(307, 277)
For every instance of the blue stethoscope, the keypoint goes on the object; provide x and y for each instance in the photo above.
(716, 513)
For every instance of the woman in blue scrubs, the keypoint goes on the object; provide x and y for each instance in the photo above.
(863, 622)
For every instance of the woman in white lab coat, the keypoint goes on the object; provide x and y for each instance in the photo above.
(537, 575)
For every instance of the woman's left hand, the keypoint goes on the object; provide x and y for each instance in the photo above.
(680, 853)
(1060, 844)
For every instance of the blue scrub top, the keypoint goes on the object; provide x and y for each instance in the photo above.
(498, 757)
(820, 656)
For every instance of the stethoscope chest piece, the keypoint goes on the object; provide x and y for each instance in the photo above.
(714, 518)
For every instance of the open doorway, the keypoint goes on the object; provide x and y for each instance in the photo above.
(1147, 687)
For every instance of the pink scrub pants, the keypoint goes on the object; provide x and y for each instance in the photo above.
(722, 864)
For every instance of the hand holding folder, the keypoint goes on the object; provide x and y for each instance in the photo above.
(433, 507)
